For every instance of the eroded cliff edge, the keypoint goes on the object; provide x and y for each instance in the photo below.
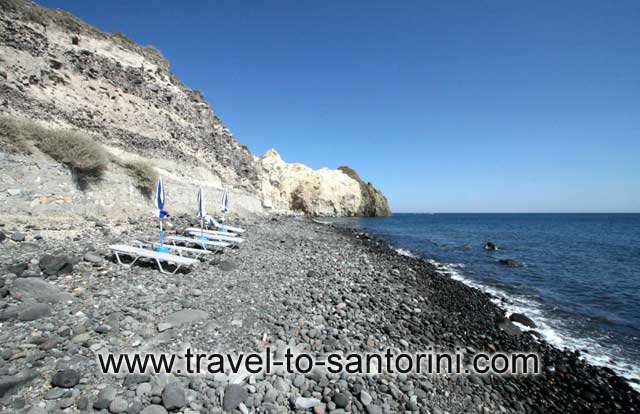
(63, 73)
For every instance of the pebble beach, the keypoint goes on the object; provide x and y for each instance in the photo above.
(294, 283)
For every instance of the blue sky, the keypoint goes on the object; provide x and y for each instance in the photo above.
(484, 106)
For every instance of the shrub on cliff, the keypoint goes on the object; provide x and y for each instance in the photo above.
(143, 175)
(12, 136)
(86, 159)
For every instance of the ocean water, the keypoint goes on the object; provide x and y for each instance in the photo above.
(580, 279)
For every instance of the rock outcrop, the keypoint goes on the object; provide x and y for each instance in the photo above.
(58, 70)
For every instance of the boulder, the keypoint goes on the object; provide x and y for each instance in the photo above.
(490, 246)
(522, 319)
(38, 290)
(33, 312)
(510, 263)
(54, 265)
(17, 268)
(17, 237)
(10, 384)
(92, 258)
(508, 326)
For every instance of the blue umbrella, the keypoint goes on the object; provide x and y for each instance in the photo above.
(160, 211)
(225, 207)
(225, 202)
(202, 214)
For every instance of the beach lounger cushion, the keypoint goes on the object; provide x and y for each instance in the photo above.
(178, 249)
(158, 257)
(206, 243)
(213, 236)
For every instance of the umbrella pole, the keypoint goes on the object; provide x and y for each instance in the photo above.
(161, 233)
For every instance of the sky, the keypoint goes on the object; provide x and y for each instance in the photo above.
(482, 106)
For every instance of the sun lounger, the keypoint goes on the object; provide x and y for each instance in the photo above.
(213, 236)
(215, 223)
(180, 250)
(158, 257)
(197, 241)
(216, 232)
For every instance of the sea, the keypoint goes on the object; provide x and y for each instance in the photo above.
(579, 280)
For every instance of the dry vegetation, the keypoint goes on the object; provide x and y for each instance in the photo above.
(142, 174)
(86, 159)
(13, 136)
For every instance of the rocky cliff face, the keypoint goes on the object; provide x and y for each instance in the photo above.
(59, 70)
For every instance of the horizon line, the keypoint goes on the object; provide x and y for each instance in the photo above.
(515, 212)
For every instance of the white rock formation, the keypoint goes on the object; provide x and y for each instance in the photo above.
(296, 187)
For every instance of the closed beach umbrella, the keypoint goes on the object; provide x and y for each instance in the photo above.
(225, 208)
(225, 202)
(159, 202)
(201, 211)
(202, 214)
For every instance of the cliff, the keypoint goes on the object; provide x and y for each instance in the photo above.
(63, 73)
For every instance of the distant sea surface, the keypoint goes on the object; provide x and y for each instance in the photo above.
(580, 279)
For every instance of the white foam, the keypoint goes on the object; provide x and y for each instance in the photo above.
(552, 330)
(405, 252)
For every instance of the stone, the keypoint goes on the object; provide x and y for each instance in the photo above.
(39, 290)
(54, 265)
(33, 312)
(118, 405)
(234, 394)
(184, 317)
(134, 379)
(508, 326)
(173, 396)
(299, 380)
(510, 263)
(135, 407)
(490, 246)
(83, 403)
(522, 319)
(143, 389)
(163, 326)
(17, 268)
(374, 409)
(108, 394)
(65, 403)
(341, 400)
(55, 393)
(92, 258)
(17, 237)
(101, 404)
(3, 236)
(303, 403)
(365, 398)
(67, 378)
(154, 409)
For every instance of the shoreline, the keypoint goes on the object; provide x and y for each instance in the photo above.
(546, 327)
(292, 283)
(447, 271)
